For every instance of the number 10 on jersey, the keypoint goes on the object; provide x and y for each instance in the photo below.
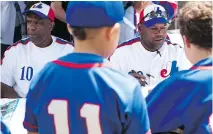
(90, 112)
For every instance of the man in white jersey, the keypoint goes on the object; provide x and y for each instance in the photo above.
(25, 58)
(152, 57)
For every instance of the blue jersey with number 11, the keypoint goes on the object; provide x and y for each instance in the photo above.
(78, 94)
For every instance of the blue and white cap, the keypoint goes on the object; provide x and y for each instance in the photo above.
(43, 10)
(96, 14)
(153, 14)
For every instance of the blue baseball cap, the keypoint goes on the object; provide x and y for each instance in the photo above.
(94, 14)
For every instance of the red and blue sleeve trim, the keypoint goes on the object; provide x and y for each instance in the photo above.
(23, 42)
(29, 127)
(62, 42)
(129, 42)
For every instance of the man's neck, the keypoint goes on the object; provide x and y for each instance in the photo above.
(137, 9)
(87, 47)
(148, 48)
(44, 43)
(200, 54)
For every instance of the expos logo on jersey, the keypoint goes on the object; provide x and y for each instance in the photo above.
(170, 68)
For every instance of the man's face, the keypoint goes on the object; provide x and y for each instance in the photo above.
(153, 37)
(37, 28)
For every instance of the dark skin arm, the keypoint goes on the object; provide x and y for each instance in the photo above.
(140, 78)
(8, 92)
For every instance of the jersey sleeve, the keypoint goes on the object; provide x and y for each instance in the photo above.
(30, 121)
(162, 104)
(199, 109)
(139, 120)
(173, 103)
(35, 91)
(114, 62)
(8, 64)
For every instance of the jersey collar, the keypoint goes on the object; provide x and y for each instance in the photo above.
(82, 58)
(205, 64)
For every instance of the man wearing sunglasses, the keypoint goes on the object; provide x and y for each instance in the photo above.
(152, 57)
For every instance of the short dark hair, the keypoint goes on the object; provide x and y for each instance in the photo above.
(79, 33)
(195, 20)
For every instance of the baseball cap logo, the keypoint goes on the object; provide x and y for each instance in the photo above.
(43, 10)
(37, 6)
(158, 11)
(153, 14)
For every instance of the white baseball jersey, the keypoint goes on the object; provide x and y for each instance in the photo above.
(155, 66)
(23, 60)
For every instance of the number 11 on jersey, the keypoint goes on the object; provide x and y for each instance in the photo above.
(90, 112)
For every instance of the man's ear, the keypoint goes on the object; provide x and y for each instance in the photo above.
(69, 29)
(112, 31)
(52, 24)
(139, 26)
(186, 41)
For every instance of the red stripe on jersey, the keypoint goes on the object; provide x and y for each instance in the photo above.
(201, 68)
(80, 66)
(23, 42)
(130, 42)
(127, 43)
(29, 125)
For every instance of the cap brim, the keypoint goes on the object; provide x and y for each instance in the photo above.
(154, 21)
(128, 23)
(41, 15)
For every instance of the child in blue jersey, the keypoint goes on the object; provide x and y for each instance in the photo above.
(79, 93)
(4, 129)
(185, 99)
